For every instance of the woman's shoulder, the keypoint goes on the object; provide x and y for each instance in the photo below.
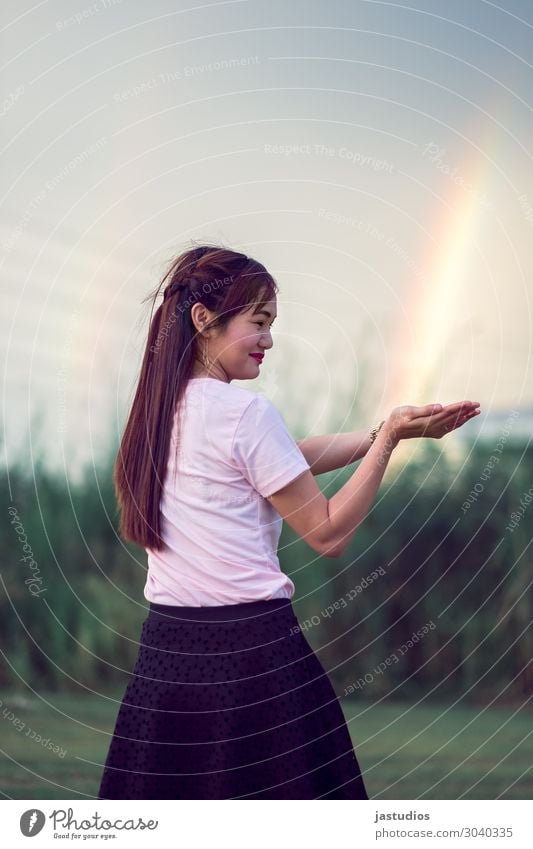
(231, 393)
(232, 405)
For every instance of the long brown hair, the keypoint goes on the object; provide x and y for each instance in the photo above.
(226, 282)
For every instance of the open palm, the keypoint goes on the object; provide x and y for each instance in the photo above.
(410, 422)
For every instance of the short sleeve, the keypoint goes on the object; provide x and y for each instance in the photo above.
(264, 450)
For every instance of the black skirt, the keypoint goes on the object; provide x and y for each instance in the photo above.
(229, 702)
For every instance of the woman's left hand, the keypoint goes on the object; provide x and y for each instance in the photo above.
(451, 417)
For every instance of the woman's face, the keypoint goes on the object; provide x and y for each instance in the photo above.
(230, 353)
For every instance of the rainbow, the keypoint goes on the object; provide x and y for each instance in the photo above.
(435, 310)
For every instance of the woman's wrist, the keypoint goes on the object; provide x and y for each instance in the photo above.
(375, 430)
(390, 433)
(385, 439)
(387, 436)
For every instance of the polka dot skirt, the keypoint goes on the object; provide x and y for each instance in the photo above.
(229, 702)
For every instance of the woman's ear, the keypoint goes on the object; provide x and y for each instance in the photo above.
(200, 316)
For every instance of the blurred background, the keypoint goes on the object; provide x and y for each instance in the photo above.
(376, 157)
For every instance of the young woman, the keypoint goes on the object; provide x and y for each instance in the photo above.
(227, 699)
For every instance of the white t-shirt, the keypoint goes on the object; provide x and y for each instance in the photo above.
(220, 532)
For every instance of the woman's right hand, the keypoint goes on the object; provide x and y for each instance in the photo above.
(433, 420)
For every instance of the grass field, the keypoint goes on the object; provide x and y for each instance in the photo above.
(405, 752)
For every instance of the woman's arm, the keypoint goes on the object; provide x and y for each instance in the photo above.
(334, 450)
(328, 525)
(337, 450)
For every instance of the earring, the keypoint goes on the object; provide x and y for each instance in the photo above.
(205, 358)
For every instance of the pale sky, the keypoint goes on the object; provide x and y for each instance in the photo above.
(375, 156)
